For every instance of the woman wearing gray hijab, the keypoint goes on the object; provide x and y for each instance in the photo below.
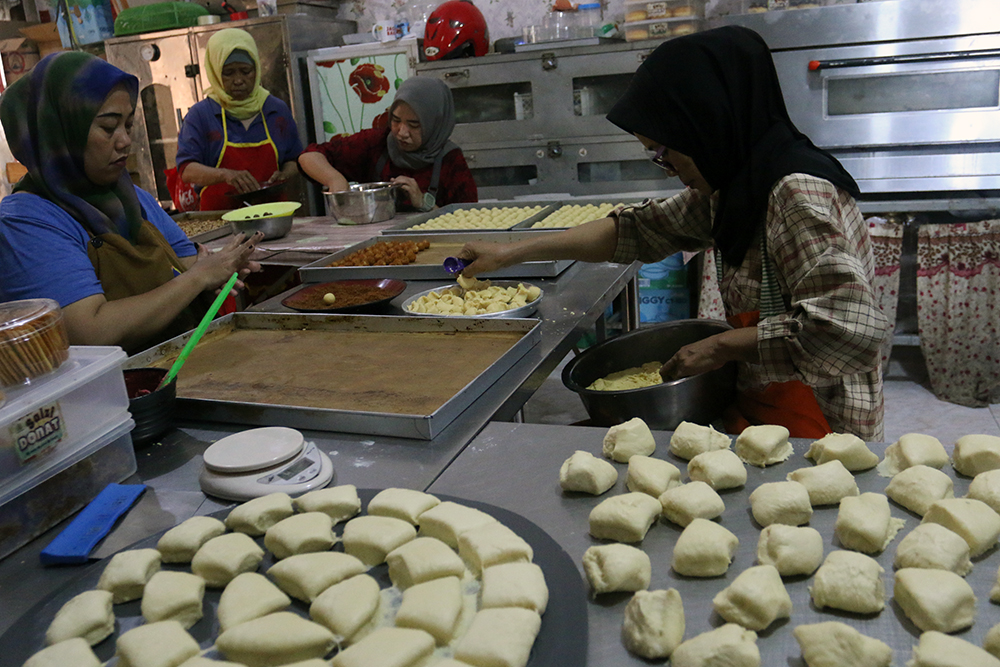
(414, 151)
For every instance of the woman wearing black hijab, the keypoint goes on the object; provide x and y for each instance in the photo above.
(794, 256)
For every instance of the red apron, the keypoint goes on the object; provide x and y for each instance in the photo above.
(260, 159)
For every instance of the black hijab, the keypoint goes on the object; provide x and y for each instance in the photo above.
(714, 96)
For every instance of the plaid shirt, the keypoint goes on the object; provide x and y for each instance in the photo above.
(817, 244)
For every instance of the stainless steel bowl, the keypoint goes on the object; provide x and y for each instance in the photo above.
(523, 311)
(274, 220)
(700, 398)
(363, 204)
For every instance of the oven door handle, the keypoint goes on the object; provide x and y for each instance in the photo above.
(815, 65)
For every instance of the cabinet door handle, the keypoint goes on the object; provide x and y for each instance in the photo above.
(462, 73)
(902, 59)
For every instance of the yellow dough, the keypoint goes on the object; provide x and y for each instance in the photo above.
(340, 502)
(835, 644)
(792, 550)
(937, 649)
(729, 645)
(763, 445)
(347, 608)
(781, 502)
(173, 596)
(75, 651)
(694, 500)
(976, 454)
(255, 516)
(162, 644)
(449, 520)
(623, 441)
(405, 504)
(275, 639)
(624, 518)
(847, 448)
(371, 538)
(911, 450)
(932, 546)
(755, 599)
(864, 523)
(388, 647)
(305, 576)
(849, 581)
(220, 559)
(704, 549)
(720, 469)
(654, 623)
(918, 486)
(613, 568)
(690, 439)
(992, 641)
(827, 483)
(248, 596)
(434, 607)
(935, 599)
(973, 520)
(585, 473)
(180, 543)
(514, 585)
(637, 377)
(299, 534)
(127, 573)
(199, 661)
(499, 638)
(985, 487)
(421, 560)
(651, 476)
(492, 544)
(88, 615)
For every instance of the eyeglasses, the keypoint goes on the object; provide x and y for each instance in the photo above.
(659, 159)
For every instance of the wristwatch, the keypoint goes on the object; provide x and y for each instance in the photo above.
(428, 202)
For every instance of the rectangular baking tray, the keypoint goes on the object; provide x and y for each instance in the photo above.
(211, 235)
(416, 426)
(526, 225)
(320, 271)
(405, 227)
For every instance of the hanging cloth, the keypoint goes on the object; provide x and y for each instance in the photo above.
(260, 159)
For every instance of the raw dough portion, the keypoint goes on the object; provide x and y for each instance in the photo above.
(985, 487)
(405, 504)
(624, 518)
(934, 547)
(623, 441)
(974, 454)
(937, 649)
(162, 644)
(255, 516)
(792, 550)
(199, 661)
(704, 549)
(305, 576)
(449, 520)
(973, 520)
(492, 544)
(585, 473)
(849, 581)
(222, 558)
(422, 559)
(388, 647)
(127, 573)
(87, 615)
(180, 543)
(781, 502)
(434, 607)
(726, 646)
(991, 642)
(910, 450)
(755, 599)
(340, 502)
(654, 623)
(275, 639)
(694, 500)
(75, 651)
(720, 469)
(173, 596)
(514, 585)
(865, 523)
(248, 596)
(995, 591)
(651, 476)
(690, 439)
(300, 534)
(935, 599)
(348, 607)
(828, 483)
(371, 538)
(763, 445)
(635, 377)
(847, 448)
(499, 638)
(918, 486)
(612, 568)
(835, 644)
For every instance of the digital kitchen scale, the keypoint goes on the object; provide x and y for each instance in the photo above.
(261, 461)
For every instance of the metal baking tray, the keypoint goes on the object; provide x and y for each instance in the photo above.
(320, 271)
(211, 235)
(523, 311)
(527, 225)
(406, 226)
(417, 426)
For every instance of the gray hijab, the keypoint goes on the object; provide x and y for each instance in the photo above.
(430, 98)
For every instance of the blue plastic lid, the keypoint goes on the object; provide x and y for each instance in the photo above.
(589, 5)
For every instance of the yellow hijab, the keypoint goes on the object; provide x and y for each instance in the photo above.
(220, 45)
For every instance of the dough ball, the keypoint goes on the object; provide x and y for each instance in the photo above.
(651, 476)
(827, 483)
(755, 599)
(835, 644)
(255, 516)
(918, 486)
(127, 573)
(720, 469)
(910, 450)
(449, 520)
(791, 550)
(499, 638)
(220, 559)
(155, 645)
(371, 538)
(985, 487)
(937, 649)
(514, 585)
(275, 639)
(847, 448)
(613, 568)
(864, 523)
(935, 599)
(405, 504)
(423, 559)
(180, 543)
(340, 502)
(934, 547)
(348, 608)
(995, 591)
(624, 518)
(992, 641)
(329, 298)
(87, 615)
(849, 581)
(305, 576)
(173, 596)
(781, 502)
(248, 596)
(704, 549)
(974, 454)
(492, 544)
(434, 607)
(763, 445)
(689, 440)
(623, 441)
(585, 473)
(654, 623)
(75, 651)
(199, 661)
(387, 646)
(729, 645)
(694, 500)
(299, 534)
(973, 520)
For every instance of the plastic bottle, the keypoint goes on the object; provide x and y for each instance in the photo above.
(590, 18)
(663, 290)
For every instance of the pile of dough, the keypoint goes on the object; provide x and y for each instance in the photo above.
(585, 473)
(275, 639)
(763, 445)
(300, 534)
(849, 581)
(623, 441)
(434, 607)
(720, 469)
(492, 544)
(222, 558)
(514, 585)
(340, 502)
(624, 518)
(651, 476)
(305, 576)
(654, 623)
(127, 573)
(792, 550)
(255, 516)
(694, 500)
(387, 646)
(835, 644)
(730, 645)
(613, 568)
(704, 549)
(74, 651)
(935, 599)
(248, 596)
(847, 448)
(918, 486)
(827, 483)
(405, 504)
(173, 596)
(422, 559)
(865, 523)
(348, 608)
(985, 487)
(636, 377)
(449, 520)
(689, 440)
(991, 642)
(975, 454)
(161, 643)
(499, 638)
(932, 546)
(973, 520)
(937, 649)
(755, 599)
(371, 538)
(781, 502)
(911, 450)
(87, 615)
(180, 543)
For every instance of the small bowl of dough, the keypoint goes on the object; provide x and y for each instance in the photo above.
(500, 299)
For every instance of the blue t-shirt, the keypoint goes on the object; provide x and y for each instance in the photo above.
(43, 249)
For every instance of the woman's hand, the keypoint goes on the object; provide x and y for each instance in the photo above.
(711, 353)
(242, 180)
(412, 190)
(215, 268)
(484, 257)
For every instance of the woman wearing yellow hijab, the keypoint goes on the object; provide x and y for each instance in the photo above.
(241, 137)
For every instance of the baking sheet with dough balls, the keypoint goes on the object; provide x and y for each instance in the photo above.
(275, 639)
(88, 615)
(934, 547)
(936, 649)
(585, 473)
(828, 483)
(305, 576)
(973, 520)
(75, 651)
(623, 441)
(180, 543)
(847, 448)
(911, 450)
(792, 550)
(849, 581)
(422, 559)
(499, 638)
(514, 585)
(222, 558)
(991, 642)
(918, 486)
(388, 647)
(255, 516)
(434, 607)
(248, 596)
(340, 502)
(492, 544)
(624, 518)
(370, 538)
(127, 572)
(865, 523)
(689, 440)
(755, 599)
(651, 476)
(836, 644)
(694, 500)
(985, 487)
(977, 453)
(935, 599)
(781, 502)
(729, 645)
(405, 504)
(348, 608)
(763, 445)
(449, 520)
(720, 469)
(300, 534)
(612, 568)
(704, 549)
(654, 623)
(173, 596)
(161, 644)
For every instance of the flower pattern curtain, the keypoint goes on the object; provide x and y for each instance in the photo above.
(887, 246)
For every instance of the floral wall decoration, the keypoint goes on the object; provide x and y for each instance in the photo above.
(356, 92)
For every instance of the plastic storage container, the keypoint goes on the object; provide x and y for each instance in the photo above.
(590, 18)
(158, 16)
(645, 10)
(33, 340)
(661, 28)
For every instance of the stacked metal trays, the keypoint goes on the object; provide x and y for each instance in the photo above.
(523, 311)
(406, 227)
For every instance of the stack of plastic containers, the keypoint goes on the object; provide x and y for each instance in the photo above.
(661, 19)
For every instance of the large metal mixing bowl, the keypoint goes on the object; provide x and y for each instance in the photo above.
(363, 204)
(700, 398)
